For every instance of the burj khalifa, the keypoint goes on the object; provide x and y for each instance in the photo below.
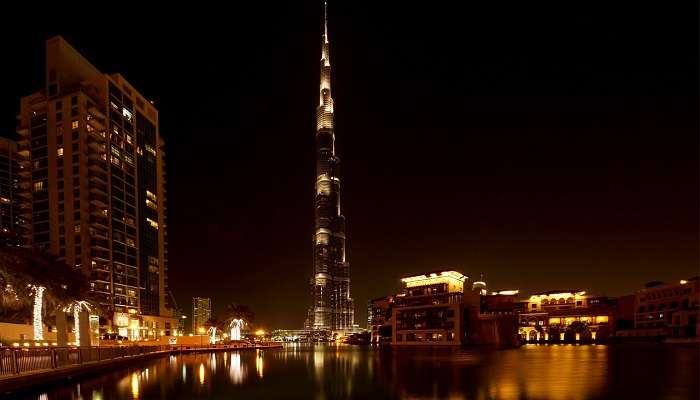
(332, 307)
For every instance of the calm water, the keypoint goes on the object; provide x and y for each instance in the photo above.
(341, 371)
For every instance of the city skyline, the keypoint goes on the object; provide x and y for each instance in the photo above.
(560, 181)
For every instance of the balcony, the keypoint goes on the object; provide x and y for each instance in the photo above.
(97, 175)
(96, 113)
(99, 223)
(98, 188)
(98, 201)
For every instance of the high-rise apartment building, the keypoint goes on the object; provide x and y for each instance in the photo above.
(96, 187)
(201, 313)
(332, 307)
(12, 205)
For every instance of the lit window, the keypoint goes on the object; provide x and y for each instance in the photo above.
(130, 242)
(128, 139)
(127, 114)
(59, 152)
(76, 228)
(153, 223)
(39, 186)
(150, 195)
(151, 204)
(150, 150)
(74, 125)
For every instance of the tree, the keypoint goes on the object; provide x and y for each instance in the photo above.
(236, 316)
(213, 326)
(40, 279)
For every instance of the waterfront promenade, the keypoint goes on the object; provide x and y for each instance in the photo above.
(23, 367)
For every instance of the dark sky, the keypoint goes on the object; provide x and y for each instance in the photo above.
(543, 146)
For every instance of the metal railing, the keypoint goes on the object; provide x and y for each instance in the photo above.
(15, 361)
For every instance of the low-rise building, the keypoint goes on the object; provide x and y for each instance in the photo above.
(566, 315)
(379, 317)
(430, 310)
(669, 310)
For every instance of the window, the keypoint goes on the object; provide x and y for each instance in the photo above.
(59, 152)
(39, 186)
(127, 114)
(74, 100)
(153, 223)
(74, 125)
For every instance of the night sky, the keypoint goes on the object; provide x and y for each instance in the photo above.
(545, 147)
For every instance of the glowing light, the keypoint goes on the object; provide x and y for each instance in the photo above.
(135, 385)
(683, 281)
(260, 332)
(259, 363)
(212, 335)
(201, 374)
(236, 326)
(77, 307)
(507, 292)
(36, 312)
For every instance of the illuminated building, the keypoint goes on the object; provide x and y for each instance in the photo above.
(13, 200)
(566, 315)
(95, 186)
(499, 302)
(430, 310)
(379, 317)
(201, 313)
(332, 306)
(667, 309)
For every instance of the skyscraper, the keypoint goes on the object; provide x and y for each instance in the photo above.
(12, 205)
(332, 306)
(201, 313)
(95, 185)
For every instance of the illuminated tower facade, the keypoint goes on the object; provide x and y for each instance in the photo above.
(93, 178)
(332, 306)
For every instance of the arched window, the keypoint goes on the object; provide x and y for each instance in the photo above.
(545, 302)
(562, 301)
(570, 300)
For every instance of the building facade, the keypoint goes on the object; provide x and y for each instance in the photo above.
(13, 167)
(332, 306)
(201, 313)
(379, 316)
(95, 186)
(668, 309)
(566, 315)
(430, 310)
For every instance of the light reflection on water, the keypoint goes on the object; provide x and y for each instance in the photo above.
(340, 371)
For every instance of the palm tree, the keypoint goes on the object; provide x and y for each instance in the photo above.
(212, 325)
(41, 279)
(236, 317)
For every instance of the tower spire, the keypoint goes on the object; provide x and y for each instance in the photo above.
(325, 21)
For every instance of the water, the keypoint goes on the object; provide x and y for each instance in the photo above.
(341, 371)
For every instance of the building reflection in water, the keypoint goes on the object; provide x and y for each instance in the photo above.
(201, 373)
(330, 371)
(555, 372)
(259, 363)
(134, 385)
